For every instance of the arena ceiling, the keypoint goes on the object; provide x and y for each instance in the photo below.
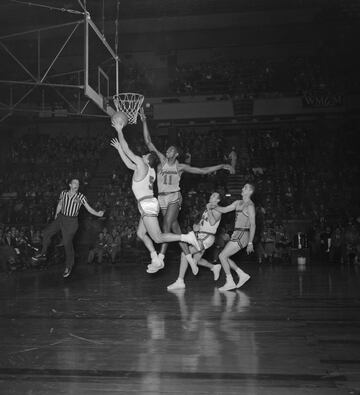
(23, 14)
(161, 26)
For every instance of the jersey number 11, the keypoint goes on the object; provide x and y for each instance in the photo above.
(167, 179)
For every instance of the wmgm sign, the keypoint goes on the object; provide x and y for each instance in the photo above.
(322, 100)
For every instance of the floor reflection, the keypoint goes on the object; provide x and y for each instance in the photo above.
(289, 328)
(205, 335)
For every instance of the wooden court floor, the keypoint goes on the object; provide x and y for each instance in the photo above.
(117, 330)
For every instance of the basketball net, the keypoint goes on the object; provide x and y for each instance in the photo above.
(130, 104)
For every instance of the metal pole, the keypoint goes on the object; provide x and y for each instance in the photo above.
(65, 73)
(82, 6)
(18, 61)
(5, 116)
(23, 97)
(38, 57)
(58, 54)
(69, 113)
(7, 82)
(41, 29)
(17, 103)
(86, 52)
(78, 93)
(28, 3)
(103, 17)
(65, 100)
(83, 109)
(102, 38)
(117, 45)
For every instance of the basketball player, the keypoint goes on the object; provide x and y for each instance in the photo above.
(205, 233)
(142, 186)
(169, 172)
(242, 236)
(66, 221)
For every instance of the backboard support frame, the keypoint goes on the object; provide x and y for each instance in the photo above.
(43, 80)
(97, 97)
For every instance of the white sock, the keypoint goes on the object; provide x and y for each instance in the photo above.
(180, 279)
(161, 256)
(153, 255)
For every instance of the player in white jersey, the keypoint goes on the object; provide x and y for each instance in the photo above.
(169, 173)
(205, 233)
(142, 186)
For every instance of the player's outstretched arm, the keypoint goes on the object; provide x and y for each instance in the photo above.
(92, 211)
(226, 209)
(147, 137)
(116, 144)
(204, 170)
(124, 145)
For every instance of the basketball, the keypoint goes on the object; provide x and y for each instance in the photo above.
(120, 117)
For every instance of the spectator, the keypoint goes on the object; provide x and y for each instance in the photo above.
(98, 250)
(232, 157)
(337, 246)
(187, 160)
(115, 250)
(351, 243)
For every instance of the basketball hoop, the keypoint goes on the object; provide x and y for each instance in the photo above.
(129, 103)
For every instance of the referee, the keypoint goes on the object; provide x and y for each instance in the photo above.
(66, 220)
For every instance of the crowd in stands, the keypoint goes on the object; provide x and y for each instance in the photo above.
(252, 77)
(17, 243)
(301, 173)
(255, 77)
(37, 169)
(136, 78)
(200, 147)
(306, 174)
(246, 78)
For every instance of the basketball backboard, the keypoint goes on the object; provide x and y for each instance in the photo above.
(101, 68)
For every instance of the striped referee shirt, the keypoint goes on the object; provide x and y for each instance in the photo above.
(70, 205)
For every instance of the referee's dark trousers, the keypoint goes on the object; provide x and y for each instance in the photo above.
(68, 226)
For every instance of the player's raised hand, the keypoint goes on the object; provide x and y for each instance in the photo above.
(117, 124)
(100, 213)
(229, 168)
(142, 114)
(115, 143)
